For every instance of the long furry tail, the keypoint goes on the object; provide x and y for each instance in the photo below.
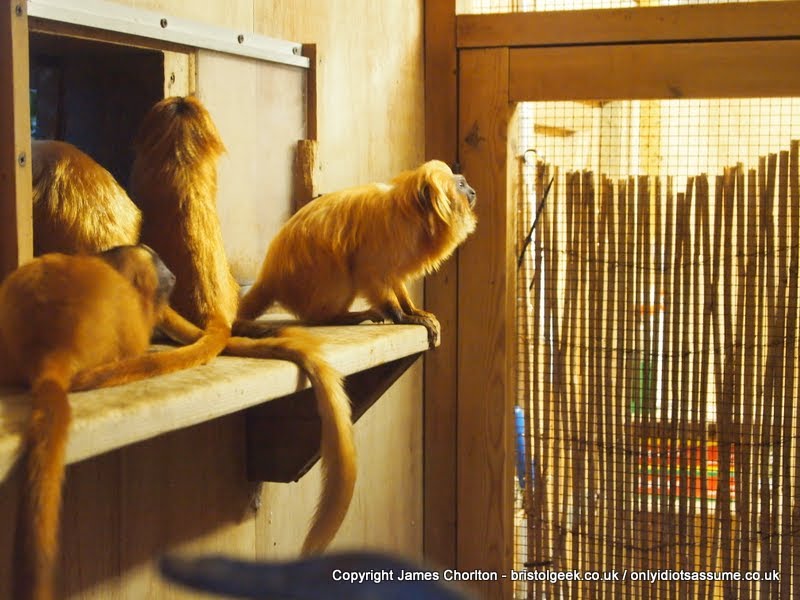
(208, 345)
(36, 538)
(337, 447)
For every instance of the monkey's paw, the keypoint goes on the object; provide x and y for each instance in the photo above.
(431, 323)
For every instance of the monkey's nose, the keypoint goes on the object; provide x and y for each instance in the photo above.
(473, 198)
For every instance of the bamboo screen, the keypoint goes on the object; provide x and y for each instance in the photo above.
(658, 369)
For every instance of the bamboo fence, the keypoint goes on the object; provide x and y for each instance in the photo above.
(658, 379)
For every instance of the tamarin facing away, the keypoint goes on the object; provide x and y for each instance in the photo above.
(365, 241)
(174, 183)
(60, 315)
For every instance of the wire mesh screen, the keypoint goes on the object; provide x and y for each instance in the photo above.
(657, 449)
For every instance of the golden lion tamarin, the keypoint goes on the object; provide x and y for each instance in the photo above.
(78, 206)
(174, 183)
(75, 219)
(60, 315)
(365, 241)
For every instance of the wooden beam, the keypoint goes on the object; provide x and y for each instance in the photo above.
(441, 298)
(284, 435)
(486, 336)
(758, 20)
(16, 225)
(692, 70)
(111, 418)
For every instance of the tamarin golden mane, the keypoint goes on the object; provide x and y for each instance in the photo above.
(61, 315)
(366, 241)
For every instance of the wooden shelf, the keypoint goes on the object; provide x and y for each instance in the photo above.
(112, 418)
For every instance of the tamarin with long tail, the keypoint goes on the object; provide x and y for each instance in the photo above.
(60, 315)
(174, 183)
(366, 241)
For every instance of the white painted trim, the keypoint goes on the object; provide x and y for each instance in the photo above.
(109, 16)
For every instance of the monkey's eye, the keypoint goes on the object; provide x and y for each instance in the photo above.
(461, 183)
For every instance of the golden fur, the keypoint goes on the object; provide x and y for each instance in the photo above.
(174, 182)
(59, 315)
(78, 206)
(365, 241)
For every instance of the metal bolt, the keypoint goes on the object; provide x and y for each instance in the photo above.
(18, 10)
(295, 50)
(164, 23)
(172, 77)
(240, 38)
(22, 159)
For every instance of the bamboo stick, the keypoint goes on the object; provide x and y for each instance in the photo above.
(725, 404)
(668, 358)
(780, 508)
(741, 392)
(768, 557)
(631, 371)
(645, 346)
(747, 465)
(686, 391)
(561, 480)
(794, 193)
(609, 433)
(552, 278)
(593, 416)
(623, 556)
(709, 266)
(531, 394)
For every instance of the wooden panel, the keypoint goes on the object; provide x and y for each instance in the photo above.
(16, 226)
(441, 297)
(107, 419)
(486, 384)
(370, 126)
(694, 70)
(260, 113)
(673, 23)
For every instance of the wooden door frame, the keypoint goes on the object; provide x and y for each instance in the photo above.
(483, 65)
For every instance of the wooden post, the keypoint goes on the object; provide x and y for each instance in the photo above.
(16, 228)
(486, 334)
(441, 290)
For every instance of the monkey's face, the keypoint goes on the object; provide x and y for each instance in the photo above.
(449, 197)
(145, 270)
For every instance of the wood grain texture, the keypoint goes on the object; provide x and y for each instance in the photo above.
(680, 70)
(625, 25)
(441, 298)
(260, 114)
(107, 419)
(16, 231)
(486, 382)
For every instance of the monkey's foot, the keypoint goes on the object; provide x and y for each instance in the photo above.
(255, 329)
(429, 322)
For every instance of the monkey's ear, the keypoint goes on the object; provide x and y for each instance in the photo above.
(434, 198)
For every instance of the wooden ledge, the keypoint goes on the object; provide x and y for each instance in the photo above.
(112, 418)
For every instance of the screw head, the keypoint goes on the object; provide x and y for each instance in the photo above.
(164, 23)
(240, 38)
(22, 159)
(18, 10)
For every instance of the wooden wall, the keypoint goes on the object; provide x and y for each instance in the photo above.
(186, 491)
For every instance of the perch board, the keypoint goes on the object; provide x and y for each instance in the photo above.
(111, 418)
